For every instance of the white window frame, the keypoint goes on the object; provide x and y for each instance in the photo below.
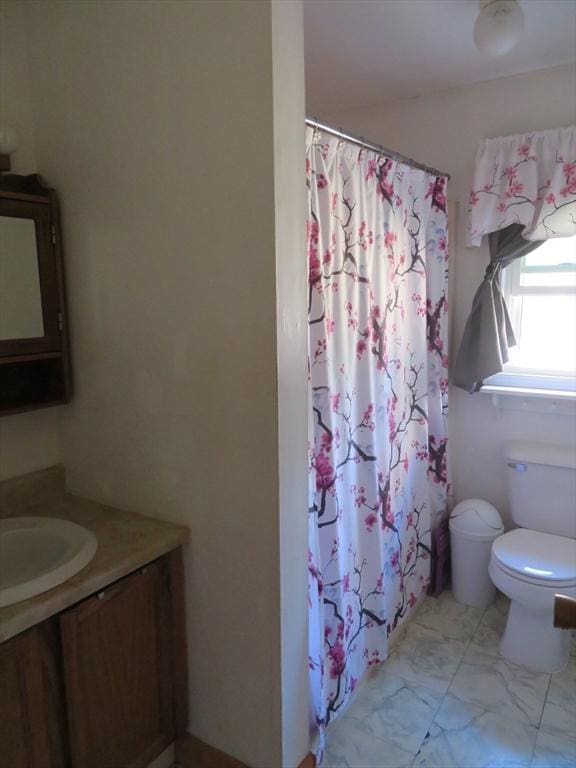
(518, 380)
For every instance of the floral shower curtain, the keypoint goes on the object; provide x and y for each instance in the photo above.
(377, 249)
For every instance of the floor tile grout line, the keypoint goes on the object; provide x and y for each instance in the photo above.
(429, 727)
(533, 753)
(545, 700)
(468, 644)
(539, 728)
(449, 684)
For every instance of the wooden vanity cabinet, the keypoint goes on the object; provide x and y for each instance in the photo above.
(119, 661)
(117, 670)
(32, 720)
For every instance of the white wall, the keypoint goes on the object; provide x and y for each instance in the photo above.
(443, 130)
(156, 123)
(291, 307)
(28, 441)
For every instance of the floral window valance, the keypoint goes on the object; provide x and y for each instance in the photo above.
(527, 179)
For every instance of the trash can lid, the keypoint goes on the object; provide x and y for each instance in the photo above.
(476, 519)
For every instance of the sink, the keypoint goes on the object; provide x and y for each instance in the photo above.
(38, 553)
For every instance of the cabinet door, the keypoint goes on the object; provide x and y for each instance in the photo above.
(117, 669)
(31, 728)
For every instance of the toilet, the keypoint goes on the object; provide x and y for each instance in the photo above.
(537, 560)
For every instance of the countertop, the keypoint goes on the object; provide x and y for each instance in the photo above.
(126, 542)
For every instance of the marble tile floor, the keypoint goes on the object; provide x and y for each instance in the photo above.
(445, 698)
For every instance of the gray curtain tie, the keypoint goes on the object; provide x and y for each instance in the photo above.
(492, 270)
(488, 333)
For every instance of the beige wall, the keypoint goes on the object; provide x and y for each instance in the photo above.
(15, 105)
(443, 129)
(28, 441)
(155, 123)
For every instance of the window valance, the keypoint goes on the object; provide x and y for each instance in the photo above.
(527, 179)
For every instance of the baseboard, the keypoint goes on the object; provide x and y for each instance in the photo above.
(193, 753)
(308, 762)
(165, 759)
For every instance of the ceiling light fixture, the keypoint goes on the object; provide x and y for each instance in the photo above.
(498, 27)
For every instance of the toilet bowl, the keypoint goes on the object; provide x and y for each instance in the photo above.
(531, 567)
(537, 561)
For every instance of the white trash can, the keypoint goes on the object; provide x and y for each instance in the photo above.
(474, 524)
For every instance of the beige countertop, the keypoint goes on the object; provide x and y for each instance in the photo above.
(126, 542)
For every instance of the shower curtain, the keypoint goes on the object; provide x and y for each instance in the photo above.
(377, 255)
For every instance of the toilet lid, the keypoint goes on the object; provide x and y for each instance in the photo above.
(537, 556)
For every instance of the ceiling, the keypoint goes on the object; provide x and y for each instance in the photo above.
(361, 52)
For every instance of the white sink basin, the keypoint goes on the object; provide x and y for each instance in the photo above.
(38, 553)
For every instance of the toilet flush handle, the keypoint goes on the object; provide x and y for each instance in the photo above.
(517, 466)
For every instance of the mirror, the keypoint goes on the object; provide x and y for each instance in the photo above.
(34, 346)
(21, 305)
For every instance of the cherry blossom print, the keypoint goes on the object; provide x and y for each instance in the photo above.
(337, 656)
(524, 149)
(527, 179)
(377, 320)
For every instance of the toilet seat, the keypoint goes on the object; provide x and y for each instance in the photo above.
(537, 558)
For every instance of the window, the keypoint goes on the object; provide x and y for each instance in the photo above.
(540, 292)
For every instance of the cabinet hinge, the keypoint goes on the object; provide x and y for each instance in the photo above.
(53, 234)
(60, 321)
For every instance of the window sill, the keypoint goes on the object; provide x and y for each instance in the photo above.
(554, 394)
(531, 400)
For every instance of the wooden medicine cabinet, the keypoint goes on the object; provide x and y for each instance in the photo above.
(34, 345)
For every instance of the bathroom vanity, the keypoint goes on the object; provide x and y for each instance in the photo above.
(93, 672)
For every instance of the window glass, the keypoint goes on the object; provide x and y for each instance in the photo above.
(552, 264)
(540, 292)
(546, 334)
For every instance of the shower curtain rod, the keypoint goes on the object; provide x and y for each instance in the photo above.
(361, 142)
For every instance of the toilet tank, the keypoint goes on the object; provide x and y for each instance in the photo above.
(542, 487)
